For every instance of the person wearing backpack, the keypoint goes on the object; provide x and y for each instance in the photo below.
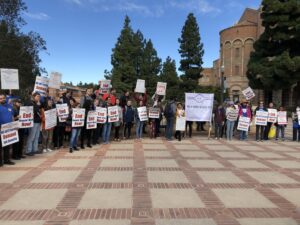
(169, 113)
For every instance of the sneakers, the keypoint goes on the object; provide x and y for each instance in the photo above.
(45, 151)
(49, 150)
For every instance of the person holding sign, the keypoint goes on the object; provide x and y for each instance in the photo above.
(46, 133)
(244, 111)
(128, 117)
(107, 126)
(34, 133)
(296, 124)
(269, 124)
(260, 121)
(75, 129)
(140, 116)
(281, 123)
(231, 116)
(118, 124)
(6, 116)
(179, 114)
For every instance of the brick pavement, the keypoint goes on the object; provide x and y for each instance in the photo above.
(193, 182)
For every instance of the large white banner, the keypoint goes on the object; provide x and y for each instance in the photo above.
(198, 107)
(91, 121)
(78, 117)
(101, 115)
(143, 113)
(62, 112)
(26, 116)
(41, 85)
(50, 119)
(261, 118)
(9, 79)
(9, 133)
(113, 114)
(55, 80)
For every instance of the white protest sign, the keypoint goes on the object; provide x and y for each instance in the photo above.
(9, 133)
(26, 117)
(272, 117)
(180, 123)
(282, 117)
(91, 121)
(55, 80)
(113, 114)
(244, 123)
(62, 112)
(154, 113)
(9, 79)
(261, 118)
(101, 115)
(142, 111)
(232, 114)
(50, 119)
(161, 88)
(248, 93)
(105, 86)
(78, 117)
(199, 107)
(41, 85)
(140, 86)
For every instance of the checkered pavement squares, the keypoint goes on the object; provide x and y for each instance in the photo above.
(155, 182)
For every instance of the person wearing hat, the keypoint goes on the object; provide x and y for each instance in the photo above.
(244, 111)
(34, 132)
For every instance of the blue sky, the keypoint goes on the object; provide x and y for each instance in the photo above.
(80, 34)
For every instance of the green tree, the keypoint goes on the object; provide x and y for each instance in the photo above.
(169, 75)
(275, 63)
(150, 68)
(123, 73)
(10, 12)
(191, 52)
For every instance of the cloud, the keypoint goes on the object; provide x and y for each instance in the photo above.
(37, 16)
(197, 6)
(76, 2)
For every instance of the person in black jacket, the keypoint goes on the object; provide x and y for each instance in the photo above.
(128, 119)
(260, 135)
(34, 132)
(88, 104)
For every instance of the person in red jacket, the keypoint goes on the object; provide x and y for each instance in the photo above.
(111, 95)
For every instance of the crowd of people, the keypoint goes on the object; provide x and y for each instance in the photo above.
(38, 139)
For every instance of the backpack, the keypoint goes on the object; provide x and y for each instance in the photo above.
(169, 111)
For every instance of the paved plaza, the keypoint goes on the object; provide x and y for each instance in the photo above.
(193, 182)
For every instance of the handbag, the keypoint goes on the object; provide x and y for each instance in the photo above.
(272, 132)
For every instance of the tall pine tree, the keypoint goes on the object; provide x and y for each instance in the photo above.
(191, 52)
(151, 66)
(123, 73)
(275, 63)
(170, 76)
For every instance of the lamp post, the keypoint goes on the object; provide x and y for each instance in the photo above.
(222, 83)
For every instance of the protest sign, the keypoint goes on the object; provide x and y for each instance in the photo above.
(272, 115)
(55, 80)
(248, 93)
(41, 85)
(244, 123)
(161, 88)
(142, 111)
(78, 117)
(282, 117)
(9, 79)
(50, 119)
(113, 114)
(199, 107)
(26, 117)
(9, 133)
(62, 112)
(140, 86)
(154, 113)
(261, 118)
(101, 115)
(180, 123)
(232, 114)
(91, 121)
(105, 86)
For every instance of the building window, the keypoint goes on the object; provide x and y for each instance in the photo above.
(237, 53)
(237, 70)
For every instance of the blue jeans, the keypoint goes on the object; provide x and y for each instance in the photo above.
(74, 137)
(33, 138)
(106, 132)
(139, 129)
(229, 131)
(243, 135)
(280, 129)
(169, 128)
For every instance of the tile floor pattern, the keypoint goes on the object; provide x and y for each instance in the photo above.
(154, 182)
